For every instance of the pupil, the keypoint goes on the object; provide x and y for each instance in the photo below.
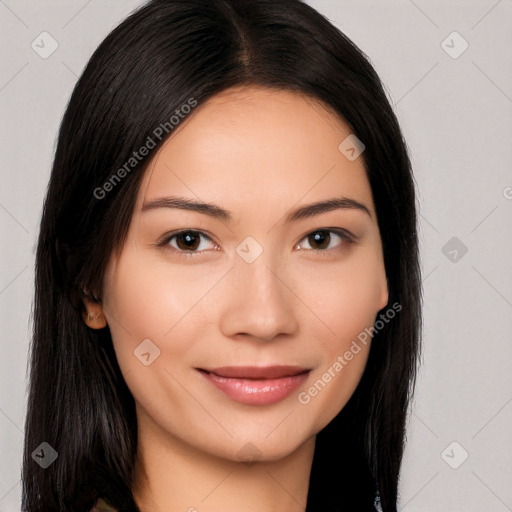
(188, 237)
(320, 236)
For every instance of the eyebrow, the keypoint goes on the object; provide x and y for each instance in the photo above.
(215, 211)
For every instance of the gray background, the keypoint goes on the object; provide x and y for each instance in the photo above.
(456, 114)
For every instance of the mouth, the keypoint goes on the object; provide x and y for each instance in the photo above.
(256, 385)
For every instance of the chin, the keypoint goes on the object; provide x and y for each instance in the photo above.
(263, 448)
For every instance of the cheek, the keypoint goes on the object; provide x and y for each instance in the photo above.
(148, 297)
(347, 298)
(350, 299)
(351, 315)
(145, 300)
(142, 302)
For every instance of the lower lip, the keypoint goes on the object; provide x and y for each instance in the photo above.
(256, 392)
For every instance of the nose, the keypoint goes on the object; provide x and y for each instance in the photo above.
(259, 303)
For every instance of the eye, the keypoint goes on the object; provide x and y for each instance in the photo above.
(322, 238)
(188, 242)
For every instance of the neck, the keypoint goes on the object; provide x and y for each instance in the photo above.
(172, 475)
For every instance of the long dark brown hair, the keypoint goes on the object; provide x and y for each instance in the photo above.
(153, 63)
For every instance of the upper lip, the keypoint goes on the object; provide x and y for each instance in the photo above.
(257, 372)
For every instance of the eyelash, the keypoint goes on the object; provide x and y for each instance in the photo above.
(345, 236)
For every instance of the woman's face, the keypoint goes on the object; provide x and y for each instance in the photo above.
(236, 337)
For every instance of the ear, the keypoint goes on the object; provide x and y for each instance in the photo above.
(384, 293)
(93, 315)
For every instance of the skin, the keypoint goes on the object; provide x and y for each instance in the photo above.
(260, 154)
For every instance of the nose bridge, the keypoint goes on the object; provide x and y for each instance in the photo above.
(259, 302)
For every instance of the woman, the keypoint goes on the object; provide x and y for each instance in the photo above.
(228, 298)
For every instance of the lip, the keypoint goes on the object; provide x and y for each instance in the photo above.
(256, 385)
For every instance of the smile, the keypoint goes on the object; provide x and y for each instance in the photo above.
(256, 385)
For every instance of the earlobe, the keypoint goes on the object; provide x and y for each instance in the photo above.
(93, 315)
(384, 296)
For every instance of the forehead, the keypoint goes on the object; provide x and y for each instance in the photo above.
(260, 144)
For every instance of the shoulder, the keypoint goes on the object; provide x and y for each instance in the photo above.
(102, 506)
